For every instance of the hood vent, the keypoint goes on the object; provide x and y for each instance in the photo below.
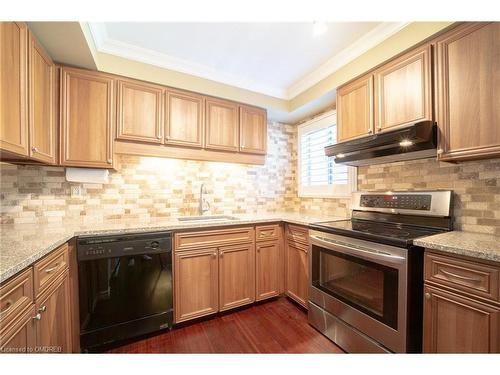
(417, 141)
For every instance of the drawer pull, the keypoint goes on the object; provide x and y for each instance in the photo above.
(37, 317)
(52, 269)
(448, 273)
(7, 306)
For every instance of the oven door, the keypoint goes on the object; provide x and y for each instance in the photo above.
(363, 284)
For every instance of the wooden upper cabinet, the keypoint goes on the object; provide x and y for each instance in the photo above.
(184, 119)
(139, 112)
(42, 104)
(196, 283)
(87, 118)
(355, 109)
(455, 324)
(403, 90)
(267, 270)
(13, 88)
(222, 130)
(467, 94)
(236, 275)
(253, 130)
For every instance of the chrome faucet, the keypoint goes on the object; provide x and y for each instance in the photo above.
(204, 205)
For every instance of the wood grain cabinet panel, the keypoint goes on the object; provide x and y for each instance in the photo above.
(236, 276)
(253, 130)
(196, 283)
(13, 88)
(42, 104)
(467, 94)
(455, 324)
(53, 328)
(355, 109)
(87, 118)
(185, 119)
(222, 125)
(267, 270)
(49, 268)
(403, 90)
(140, 112)
(297, 272)
(19, 337)
(16, 295)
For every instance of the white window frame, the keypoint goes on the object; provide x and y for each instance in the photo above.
(323, 191)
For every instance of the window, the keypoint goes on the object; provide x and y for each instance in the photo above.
(318, 174)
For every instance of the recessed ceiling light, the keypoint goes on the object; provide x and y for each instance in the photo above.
(319, 28)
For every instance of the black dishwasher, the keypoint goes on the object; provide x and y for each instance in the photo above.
(125, 286)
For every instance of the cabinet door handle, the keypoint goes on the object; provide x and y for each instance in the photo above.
(214, 255)
(221, 254)
(439, 151)
(37, 317)
(428, 296)
(110, 161)
(42, 309)
(448, 273)
(34, 149)
(52, 269)
(370, 131)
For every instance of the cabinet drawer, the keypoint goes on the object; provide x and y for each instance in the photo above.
(298, 234)
(15, 295)
(475, 278)
(213, 238)
(47, 269)
(267, 232)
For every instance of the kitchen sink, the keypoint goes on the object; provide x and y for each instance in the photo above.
(208, 218)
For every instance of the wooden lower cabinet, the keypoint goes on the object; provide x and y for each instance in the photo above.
(53, 319)
(455, 324)
(196, 283)
(267, 270)
(19, 337)
(236, 276)
(297, 272)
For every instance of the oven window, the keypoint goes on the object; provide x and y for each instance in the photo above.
(369, 287)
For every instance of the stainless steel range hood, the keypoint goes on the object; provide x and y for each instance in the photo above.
(416, 141)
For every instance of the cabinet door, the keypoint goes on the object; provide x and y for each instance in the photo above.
(453, 324)
(267, 264)
(196, 282)
(20, 336)
(236, 276)
(355, 109)
(13, 88)
(403, 90)
(467, 95)
(297, 272)
(139, 113)
(42, 110)
(87, 119)
(253, 130)
(222, 130)
(53, 329)
(184, 122)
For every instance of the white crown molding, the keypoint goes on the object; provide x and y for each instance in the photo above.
(356, 49)
(105, 44)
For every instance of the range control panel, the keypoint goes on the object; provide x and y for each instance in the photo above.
(397, 201)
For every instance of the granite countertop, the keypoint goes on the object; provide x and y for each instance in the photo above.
(476, 245)
(23, 244)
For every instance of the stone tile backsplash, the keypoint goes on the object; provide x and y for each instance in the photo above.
(143, 187)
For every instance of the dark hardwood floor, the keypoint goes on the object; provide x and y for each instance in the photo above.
(277, 326)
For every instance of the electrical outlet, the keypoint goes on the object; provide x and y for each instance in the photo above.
(76, 191)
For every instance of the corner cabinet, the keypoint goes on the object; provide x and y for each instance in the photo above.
(87, 118)
(467, 94)
(355, 109)
(461, 305)
(13, 88)
(139, 112)
(253, 130)
(403, 90)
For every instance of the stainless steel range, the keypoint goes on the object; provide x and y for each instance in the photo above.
(366, 276)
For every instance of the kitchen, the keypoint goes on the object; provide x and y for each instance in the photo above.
(148, 210)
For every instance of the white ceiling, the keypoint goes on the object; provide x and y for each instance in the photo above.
(276, 59)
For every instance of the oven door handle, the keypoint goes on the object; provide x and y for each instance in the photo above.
(368, 254)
